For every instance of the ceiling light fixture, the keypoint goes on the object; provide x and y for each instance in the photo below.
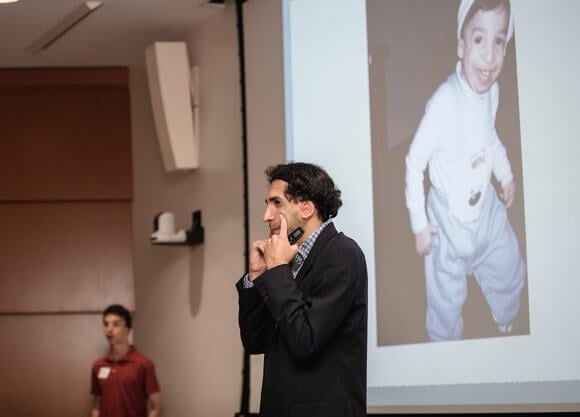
(64, 25)
(8, 1)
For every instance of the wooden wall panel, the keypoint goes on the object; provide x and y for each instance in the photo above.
(65, 257)
(46, 364)
(66, 241)
(65, 190)
(65, 140)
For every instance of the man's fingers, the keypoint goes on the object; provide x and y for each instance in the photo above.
(260, 245)
(283, 226)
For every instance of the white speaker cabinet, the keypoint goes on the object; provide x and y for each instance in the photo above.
(173, 91)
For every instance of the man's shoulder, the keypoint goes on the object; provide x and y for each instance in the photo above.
(350, 244)
(102, 361)
(340, 241)
(138, 356)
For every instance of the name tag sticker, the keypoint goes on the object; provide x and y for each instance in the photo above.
(104, 372)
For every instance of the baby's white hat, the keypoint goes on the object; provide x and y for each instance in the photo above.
(464, 7)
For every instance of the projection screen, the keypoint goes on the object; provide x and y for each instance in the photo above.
(358, 75)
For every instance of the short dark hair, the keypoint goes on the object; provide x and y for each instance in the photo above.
(484, 5)
(308, 182)
(120, 311)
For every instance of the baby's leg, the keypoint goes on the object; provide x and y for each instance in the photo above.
(446, 292)
(445, 275)
(500, 269)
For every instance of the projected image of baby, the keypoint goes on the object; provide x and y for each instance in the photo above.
(463, 228)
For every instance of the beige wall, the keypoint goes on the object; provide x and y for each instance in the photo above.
(186, 316)
(264, 83)
(186, 301)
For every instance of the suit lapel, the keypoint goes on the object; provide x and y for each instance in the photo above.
(325, 236)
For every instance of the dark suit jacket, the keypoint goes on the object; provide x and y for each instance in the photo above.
(312, 331)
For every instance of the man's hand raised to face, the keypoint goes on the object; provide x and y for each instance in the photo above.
(277, 249)
(257, 262)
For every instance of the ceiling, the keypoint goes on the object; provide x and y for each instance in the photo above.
(115, 34)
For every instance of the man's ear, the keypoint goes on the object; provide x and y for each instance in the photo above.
(307, 209)
(460, 48)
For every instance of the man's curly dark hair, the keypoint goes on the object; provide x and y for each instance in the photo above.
(119, 310)
(308, 182)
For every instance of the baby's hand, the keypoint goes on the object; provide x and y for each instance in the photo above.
(423, 239)
(507, 194)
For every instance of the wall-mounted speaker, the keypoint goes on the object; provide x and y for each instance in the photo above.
(173, 91)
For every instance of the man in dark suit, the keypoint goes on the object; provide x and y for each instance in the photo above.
(304, 305)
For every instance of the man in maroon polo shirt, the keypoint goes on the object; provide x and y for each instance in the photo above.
(123, 382)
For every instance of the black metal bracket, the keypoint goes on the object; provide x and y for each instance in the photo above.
(196, 234)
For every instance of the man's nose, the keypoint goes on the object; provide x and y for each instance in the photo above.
(268, 216)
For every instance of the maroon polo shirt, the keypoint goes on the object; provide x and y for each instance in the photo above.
(124, 385)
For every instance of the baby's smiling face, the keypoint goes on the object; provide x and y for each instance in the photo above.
(482, 48)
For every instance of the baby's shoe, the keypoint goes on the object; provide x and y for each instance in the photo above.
(503, 328)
